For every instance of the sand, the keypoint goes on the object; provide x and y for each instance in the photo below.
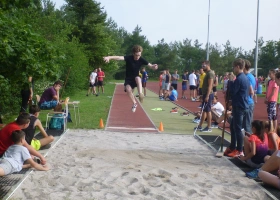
(90, 164)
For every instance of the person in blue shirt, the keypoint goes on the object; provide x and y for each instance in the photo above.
(172, 95)
(144, 79)
(239, 94)
(252, 81)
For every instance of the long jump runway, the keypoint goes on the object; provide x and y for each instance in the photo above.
(122, 119)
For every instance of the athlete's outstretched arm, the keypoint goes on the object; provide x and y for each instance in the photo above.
(108, 58)
(153, 66)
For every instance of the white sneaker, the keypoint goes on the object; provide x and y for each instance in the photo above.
(133, 109)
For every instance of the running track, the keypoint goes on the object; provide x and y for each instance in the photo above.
(121, 119)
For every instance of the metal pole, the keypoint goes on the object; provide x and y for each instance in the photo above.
(257, 42)
(207, 56)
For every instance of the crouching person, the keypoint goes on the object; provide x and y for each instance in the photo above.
(15, 156)
(172, 95)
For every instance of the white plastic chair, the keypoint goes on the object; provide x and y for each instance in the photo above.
(64, 114)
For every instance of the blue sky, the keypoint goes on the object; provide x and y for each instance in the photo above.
(233, 20)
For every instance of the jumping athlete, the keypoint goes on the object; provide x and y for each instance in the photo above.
(132, 79)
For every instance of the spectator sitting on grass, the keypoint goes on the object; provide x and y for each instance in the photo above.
(16, 155)
(172, 95)
(34, 111)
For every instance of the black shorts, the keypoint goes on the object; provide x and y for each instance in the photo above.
(144, 84)
(131, 82)
(100, 83)
(174, 85)
(200, 91)
(207, 105)
(192, 87)
(215, 89)
(91, 85)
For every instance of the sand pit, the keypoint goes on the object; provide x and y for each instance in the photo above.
(89, 164)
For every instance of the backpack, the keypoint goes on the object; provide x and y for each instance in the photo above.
(56, 123)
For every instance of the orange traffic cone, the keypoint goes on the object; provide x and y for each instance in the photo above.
(160, 127)
(101, 125)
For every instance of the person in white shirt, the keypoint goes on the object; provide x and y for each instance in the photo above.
(92, 82)
(217, 110)
(193, 83)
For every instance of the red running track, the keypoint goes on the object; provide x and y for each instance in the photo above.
(122, 119)
(260, 112)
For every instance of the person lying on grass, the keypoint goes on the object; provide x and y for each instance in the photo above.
(15, 156)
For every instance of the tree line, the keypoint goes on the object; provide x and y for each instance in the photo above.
(48, 44)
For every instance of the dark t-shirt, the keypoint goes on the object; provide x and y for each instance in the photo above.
(133, 66)
(209, 75)
(30, 130)
(185, 77)
(48, 95)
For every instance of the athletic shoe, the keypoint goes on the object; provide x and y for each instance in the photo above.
(175, 108)
(206, 129)
(133, 109)
(141, 97)
(235, 153)
(162, 99)
(174, 111)
(253, 174)
(87, 95)
(228, 151)
(214, 126)
(185, 114)
(37, 160)
(200, 106)
(193, 99)
(97, 94)
(137, 95)
(198, 128)
(197, 121)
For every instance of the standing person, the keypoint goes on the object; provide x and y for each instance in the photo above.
(26, 94)
(15, 156)
(215, 83)
(92, 82)
(160, 92)
(252, 81)
(197, 73)
(185, 79)
(100, 78)
(50, 97)
(225, 84)
(192, 81)
(207, 97)
(132, 80)
(271, 100)
(144, 80)
(201, 79)
(6, 141)
(34, 111)
(239, 94)
(163, 83)
(175, 78)
(167, 81)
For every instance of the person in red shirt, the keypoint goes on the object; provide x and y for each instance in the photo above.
(100, 77)
(22, 122)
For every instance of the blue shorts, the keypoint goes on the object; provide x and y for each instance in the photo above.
(207, 105)
(47, 105)
(184, 87)
(172, 98)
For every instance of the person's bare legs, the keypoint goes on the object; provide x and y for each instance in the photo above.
(272, 163)
(94, 90)
(275, 125)
(129, 92)
(89, 89)
(46, 140)
(144, 88)
(269, 178)
(247, 146)
(139, 88)
(209, 119)
(194, 93)
(102, 88)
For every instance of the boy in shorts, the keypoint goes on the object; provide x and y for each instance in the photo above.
(132, 79)
(14, 157)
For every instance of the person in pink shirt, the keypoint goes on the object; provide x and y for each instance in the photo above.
(100, 77)
(271, 99)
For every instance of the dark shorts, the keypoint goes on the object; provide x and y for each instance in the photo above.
(174, 86)
(184, 87)
(271, 111)
(200, 91)
(100, 83)
(192, 87)
(144, 84)
(207, 105)
(91, 85)
(215, 89)
(131, 82)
